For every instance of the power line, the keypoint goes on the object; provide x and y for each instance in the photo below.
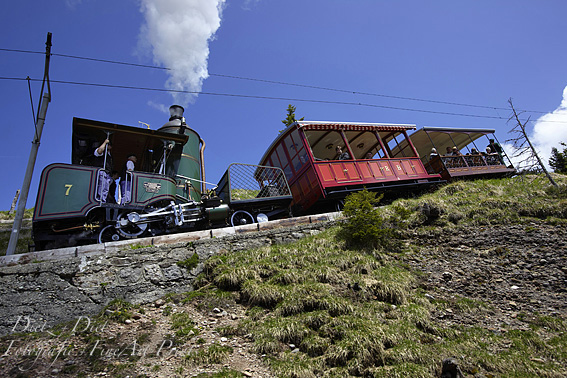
(264, 98)
(281, 82)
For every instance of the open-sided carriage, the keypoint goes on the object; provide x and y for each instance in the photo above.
(461, 153)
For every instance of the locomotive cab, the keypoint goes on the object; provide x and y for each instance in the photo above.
(164, 189)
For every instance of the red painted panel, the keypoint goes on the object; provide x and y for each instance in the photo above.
(364, 168)
(386, 168)
(325, 173)
(418, 167)
(398, 169)
(304, 183)
(338, 170)
(296, 190)
(351, 172)
(376, 170)
(313, 179)
(408, 166)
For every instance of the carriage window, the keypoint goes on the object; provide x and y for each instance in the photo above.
(274, 160)
(400, 146)
(282, 155)
(295, 150)
(323, 143)
(364, 144)
(284, 161)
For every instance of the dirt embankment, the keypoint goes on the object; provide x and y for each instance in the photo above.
(517, 271)
(511, 273)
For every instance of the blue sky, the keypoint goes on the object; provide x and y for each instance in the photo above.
(479, 52)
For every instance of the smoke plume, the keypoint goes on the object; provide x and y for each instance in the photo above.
(178, 33)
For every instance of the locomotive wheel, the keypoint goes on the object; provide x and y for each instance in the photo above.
(241, 217)
(108, 234)
(128, 228)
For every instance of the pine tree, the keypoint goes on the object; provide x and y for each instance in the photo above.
(290, 119)
(558, 160)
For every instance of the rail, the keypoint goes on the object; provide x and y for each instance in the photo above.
(439, 163)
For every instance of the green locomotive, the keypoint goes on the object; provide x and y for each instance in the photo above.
(165, 193)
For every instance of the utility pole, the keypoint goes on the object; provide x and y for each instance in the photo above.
(33, 154)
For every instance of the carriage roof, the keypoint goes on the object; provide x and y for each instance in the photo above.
(329, 125)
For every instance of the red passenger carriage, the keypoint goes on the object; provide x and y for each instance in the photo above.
(379, 157)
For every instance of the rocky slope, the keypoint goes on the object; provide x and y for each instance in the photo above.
(509, 273)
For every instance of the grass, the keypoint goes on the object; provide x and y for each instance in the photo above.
(214, 354)
(359, 312)
(190, 263)
(183, 326)
(352, 312)
(6, 215)
(118, 310)
(25, 238)
(242, 194)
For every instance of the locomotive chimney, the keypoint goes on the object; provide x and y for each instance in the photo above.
(191, 161)
(176, 112)
(176, 118)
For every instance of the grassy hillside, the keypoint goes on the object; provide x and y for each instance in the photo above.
(6, 229)
(363, 313)
(476, 273)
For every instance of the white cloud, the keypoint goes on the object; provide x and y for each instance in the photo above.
(551, 129)
(178, 33)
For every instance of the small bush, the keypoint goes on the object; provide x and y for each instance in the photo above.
(364, 226)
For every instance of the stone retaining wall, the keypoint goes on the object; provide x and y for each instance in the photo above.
(41, 289)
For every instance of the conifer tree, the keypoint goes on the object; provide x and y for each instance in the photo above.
(290, 118)
(558, 160)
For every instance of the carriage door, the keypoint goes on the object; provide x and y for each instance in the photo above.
(345, 172)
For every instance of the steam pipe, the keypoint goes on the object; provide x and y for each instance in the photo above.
(202, 156)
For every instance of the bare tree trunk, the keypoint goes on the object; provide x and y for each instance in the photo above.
(14, 202)
(524, 145)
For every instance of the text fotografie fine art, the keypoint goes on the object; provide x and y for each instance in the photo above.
(61, 344)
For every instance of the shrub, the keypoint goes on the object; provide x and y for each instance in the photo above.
(364, 226)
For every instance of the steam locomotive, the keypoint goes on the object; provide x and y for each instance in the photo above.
(166, 191)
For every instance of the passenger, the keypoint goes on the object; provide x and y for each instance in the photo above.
(369, 155)
(126, 182)
(112, 188)
(433, 153)
(448, 151)
(103, 159)
(474, 151)
(456, 152)
(495, 147)
(341, 155)
(488, 151)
